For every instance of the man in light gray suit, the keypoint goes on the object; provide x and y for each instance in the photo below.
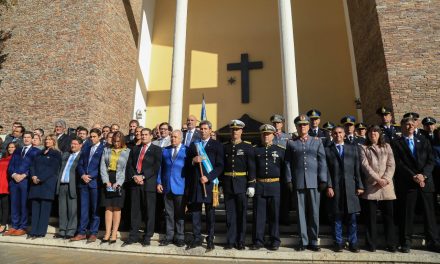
(164, 140)
(306, 171)
(66, 191)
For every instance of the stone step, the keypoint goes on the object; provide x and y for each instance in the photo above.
(283, 255)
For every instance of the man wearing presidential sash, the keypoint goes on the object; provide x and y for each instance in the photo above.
(207, 165)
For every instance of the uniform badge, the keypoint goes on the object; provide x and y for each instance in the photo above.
(240, 152)
(274, 156)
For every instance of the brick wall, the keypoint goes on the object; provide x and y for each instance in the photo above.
(404, 66)
(74, 60)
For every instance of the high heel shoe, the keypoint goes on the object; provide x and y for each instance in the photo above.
(112, 241)
(103, 241)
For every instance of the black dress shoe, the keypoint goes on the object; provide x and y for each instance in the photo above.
(57, 236)
(194, 244)
(112, 241)
(255, 247)
(354, 248)
(300, 248)
(29, 236)
(179, 243)
(228, 246)
(338, 248)
(391, 249)
(371, 248)
(210, 245)
(315, 248)
(240, 246)
(145, 243)
(405, 249)
(273, 247)
(67, 237)
(164, 243)
(126, 243)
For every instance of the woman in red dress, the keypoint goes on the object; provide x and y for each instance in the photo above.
(4, 188)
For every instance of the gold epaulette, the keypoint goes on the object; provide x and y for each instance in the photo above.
(281, 146)
(224, 143)
(247, 142)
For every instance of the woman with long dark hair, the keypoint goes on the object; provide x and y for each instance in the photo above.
(378, 166)
(4, 186)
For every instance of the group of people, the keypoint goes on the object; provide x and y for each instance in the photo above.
(347, 168)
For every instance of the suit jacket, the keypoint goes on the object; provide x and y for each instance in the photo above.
(344, 177)
(120, 167)
(21, 165)
(214, 150)
(378, 163)
(46, 167)
(408, 166)
(166, 142)
(150, 166)
(91, 168)
(64, 143)
(73, 176)
(195, 137)
(305, 163)
(173, 173)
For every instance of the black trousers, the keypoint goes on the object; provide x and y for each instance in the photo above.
(40, 216)
(266, 206)
(387, 209)
(174, 216)
(143, 206)
(407, 206)
(236, 211)
(4, 209)
(196, 210)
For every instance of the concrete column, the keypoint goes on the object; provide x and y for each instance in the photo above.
(288, 61)
(178, 72)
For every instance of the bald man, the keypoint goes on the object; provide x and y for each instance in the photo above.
(191, 134)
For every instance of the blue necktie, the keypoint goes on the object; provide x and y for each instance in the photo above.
(66, 175)
(340, 150)
(411, 146)
(188, 138)
(204, 143)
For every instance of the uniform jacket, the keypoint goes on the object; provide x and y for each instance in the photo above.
(120, 167)
(344, 177)
(390, 132)
(281, 139)
(269, 163)
(173, 173)
(320, 134)
(377, 163)
(214, 150)
(21, 165)
(408, 166)
(238, 158)
(306, 165)
(150, 166)
(46, 167)
(73, 176)
(91, 168)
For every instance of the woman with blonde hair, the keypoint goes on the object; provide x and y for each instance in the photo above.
(113, 163)
(378, 166)
(44, 174)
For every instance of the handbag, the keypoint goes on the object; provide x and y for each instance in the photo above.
(115, 193)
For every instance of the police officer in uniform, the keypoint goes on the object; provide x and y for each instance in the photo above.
(280, 137)
(348, 123)
(416, 117)
(429, 124)
(389, 130)
(269, 160)
(361, 133)
(327, 128)
(315, 119)
(238, 181)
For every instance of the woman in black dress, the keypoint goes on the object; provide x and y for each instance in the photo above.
(113, 163)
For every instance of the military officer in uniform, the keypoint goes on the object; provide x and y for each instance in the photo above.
(416, 117)
(238, 181)
(306, 171)
(315, 120)
(327, 128)
(280, 137)
(361, 133)
(429, 124)
(348, 123)
(269, 160)
(389, 130)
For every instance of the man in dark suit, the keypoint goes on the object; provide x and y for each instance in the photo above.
(191, 134)
(19, 166)
(130, 138)
(198, 182)
(143, 167)
(88, 169)
(66, 191)
(15, 136)
(171, 183)
(63, 139)
(413, 180)
(238, 181)
(344, 186)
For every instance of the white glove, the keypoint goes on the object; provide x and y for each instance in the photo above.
(250, 192)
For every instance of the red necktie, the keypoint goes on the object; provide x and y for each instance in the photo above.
(141, 157)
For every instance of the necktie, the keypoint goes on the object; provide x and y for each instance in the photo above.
(340, 150)
(188, 138)
(204, 143)
(411, 146)
(174, 153)
(92, 152)
(66, 174)
(23, 153)
(141, 157)
(316, 132)
(350, 138)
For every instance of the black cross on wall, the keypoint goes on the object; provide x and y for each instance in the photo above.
(244, 66)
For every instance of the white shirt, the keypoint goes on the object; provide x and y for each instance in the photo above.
(176, 149)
